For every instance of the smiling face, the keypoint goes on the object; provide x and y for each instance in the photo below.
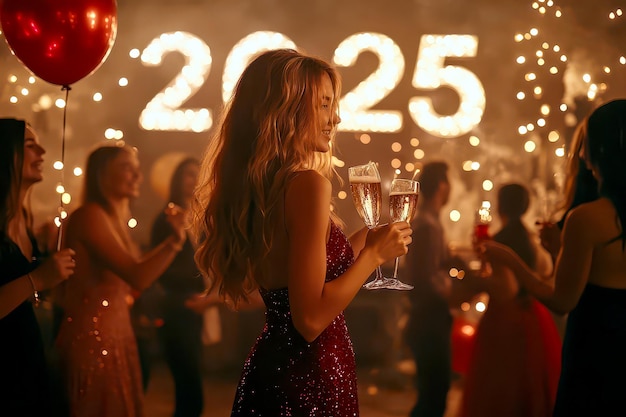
(32, 166)
(327, 115)
(122, 176)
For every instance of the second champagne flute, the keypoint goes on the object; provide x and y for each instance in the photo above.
(366, 194)
(403, 196)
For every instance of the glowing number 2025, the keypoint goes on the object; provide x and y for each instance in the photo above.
(163, 111)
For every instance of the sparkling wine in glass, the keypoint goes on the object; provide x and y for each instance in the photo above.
(367, 196)
(403, 196)
(481, 233)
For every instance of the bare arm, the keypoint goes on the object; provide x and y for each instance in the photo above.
(92, 228)
(315, 303)
(357, 240)
(572, 265)
(54, 270)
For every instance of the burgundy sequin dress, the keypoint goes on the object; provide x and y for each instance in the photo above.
(286, 376)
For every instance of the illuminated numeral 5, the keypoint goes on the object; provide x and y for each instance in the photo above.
(430, 73)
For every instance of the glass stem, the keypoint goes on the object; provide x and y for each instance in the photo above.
(379, 274)
(395, 268)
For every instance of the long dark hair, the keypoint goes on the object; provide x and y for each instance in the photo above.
(176, 183)
(513, 201)
(606, 142)
(12, 133)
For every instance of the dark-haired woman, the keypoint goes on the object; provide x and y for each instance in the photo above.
(590, 277)
(23, 370)
(515, 363)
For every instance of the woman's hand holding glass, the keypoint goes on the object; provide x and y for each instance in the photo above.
(367, 196)
(403, 196)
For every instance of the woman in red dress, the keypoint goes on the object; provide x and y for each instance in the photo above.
(515, 363)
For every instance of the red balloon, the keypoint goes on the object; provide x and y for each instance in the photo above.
(60, 41)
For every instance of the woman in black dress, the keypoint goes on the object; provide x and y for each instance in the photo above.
(23, 371)
(182, 302)
(590, 277)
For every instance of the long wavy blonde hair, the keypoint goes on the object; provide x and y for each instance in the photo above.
(267, 132)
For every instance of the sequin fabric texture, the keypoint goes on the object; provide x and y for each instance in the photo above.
(286, 376)
(98, 350)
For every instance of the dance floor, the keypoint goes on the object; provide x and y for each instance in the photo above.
(381, 394)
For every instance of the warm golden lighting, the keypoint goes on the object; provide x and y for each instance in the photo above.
(418, 154)
(553, 136)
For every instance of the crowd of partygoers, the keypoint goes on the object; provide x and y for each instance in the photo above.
(252, 223)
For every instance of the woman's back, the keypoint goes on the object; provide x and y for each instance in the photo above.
(608, 263)
(273, 272)
(592, 380)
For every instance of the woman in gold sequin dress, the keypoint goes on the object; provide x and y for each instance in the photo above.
(96, 343)
(264, 201)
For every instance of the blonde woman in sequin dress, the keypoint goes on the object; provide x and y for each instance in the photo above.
(263, 204)
(96, 344)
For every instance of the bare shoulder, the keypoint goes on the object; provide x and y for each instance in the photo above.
(89, 213)
(307, 196)
(308, 179)
(307, 185)
(595, 221)
(88, 217)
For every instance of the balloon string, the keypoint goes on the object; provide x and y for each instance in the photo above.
(62, 213)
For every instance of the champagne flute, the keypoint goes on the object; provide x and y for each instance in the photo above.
(403, 196)
(481, 234)
(367, 196)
